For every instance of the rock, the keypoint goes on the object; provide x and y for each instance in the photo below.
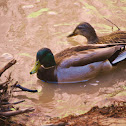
(7, 56)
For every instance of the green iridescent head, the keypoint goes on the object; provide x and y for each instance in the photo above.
(45, 58)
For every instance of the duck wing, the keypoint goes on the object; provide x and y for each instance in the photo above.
(85, 57)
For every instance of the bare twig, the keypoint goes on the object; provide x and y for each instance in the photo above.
(9, 77)
(13, 86)
(112, 23)
(13, 113)
(24, 89)
(14, 103)
(8, 65)
(17, 91)
(6, 82)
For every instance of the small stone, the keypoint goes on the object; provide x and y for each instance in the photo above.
(94, 84)
(27, 6)
(52, 13)
(7, 56)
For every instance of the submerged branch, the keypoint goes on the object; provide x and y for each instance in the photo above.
(24, 89)
(13, 113)
(14, 103)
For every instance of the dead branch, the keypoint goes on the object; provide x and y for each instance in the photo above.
(8, 65)
(3, 83)
(14, 103)
(112, 23)
(7, 81)
(17, 112)
(24, 89)
(6, 106)
(13, 86)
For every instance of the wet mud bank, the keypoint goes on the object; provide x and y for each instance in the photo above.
(105, 116)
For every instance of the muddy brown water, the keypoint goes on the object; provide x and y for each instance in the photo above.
(26, 26)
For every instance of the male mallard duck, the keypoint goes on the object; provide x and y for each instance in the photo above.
(86, 30)
(77, 63)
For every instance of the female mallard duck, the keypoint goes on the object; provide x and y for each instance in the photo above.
(86, 30)
(77, 63)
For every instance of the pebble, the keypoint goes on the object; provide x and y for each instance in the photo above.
(52, 13)
(7, 56)
(27, 6)
(94, 84)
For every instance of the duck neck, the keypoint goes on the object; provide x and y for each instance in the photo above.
(49, 65)
(92, 39)
(47, 74)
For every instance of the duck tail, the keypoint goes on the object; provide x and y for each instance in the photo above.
(120, 56)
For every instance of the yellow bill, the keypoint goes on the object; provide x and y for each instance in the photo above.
(36, 67)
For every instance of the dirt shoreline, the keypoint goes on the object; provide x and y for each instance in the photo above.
(105, 116)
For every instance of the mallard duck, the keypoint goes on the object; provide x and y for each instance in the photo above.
(86, 30)
(77, 64)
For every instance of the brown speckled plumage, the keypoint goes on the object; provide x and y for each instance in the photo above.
(86, 30)
(115, 37)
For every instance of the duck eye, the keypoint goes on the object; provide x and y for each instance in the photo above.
(81, 27)
(36, 64)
